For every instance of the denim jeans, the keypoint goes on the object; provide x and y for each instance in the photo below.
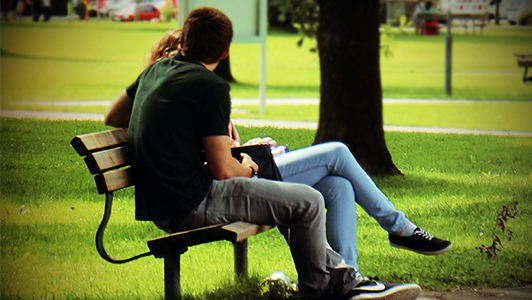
(299, 212)
(333, 170)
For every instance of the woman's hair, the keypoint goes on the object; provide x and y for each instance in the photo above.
(207, 33)
(166, 46)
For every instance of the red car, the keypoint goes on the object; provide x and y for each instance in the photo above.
(148, 12)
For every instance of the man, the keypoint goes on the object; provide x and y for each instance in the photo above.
(179, 114)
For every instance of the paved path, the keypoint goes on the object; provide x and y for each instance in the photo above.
(260, 123)
(517, 293)
(256, 123)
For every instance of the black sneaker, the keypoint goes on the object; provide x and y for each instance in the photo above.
(421, 242)
(377, 290)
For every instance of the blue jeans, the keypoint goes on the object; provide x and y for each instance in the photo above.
(333, 170)
(299, 212)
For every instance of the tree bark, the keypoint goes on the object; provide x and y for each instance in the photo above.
(351, 92)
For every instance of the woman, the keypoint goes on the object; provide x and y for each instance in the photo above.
(331, 169)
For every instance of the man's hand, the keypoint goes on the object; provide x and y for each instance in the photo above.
(220, 161)
(247, 161)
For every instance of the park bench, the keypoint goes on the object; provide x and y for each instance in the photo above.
(524, 60)
(106, 157)
(475, 19)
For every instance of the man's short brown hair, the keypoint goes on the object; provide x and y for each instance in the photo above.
(207, 33)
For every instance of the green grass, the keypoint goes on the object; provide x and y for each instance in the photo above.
(93, 61)
(454, 186)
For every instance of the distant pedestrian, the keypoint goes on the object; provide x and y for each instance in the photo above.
(41, 7)
(47, 9)
(4, 8)
(420, 7)
(19, 10)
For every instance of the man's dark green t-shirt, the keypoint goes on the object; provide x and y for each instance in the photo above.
(176, 102)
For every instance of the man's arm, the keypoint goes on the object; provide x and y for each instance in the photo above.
(220, 162)
(118, 112)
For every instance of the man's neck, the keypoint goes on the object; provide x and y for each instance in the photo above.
(210, 67)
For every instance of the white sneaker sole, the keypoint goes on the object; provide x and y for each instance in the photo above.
(400, 292)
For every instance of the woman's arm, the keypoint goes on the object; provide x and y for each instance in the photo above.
(118, 112)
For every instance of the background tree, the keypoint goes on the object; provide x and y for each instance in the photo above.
(348, 39)
(497, 16)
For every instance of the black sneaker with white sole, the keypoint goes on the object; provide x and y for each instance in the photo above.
(374, 290)
(421, 242)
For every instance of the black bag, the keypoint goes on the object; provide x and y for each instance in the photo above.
(263, 157)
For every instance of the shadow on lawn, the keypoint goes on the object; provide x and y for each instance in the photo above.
(9, 54)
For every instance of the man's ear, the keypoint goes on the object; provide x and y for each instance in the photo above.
(225, 54)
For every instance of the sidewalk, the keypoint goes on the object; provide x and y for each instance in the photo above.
(257, 123)
(516, 293)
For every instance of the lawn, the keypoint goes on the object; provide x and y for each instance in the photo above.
(98, 59)
(93, 61)
(454, 185)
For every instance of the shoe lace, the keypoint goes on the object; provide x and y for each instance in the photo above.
(422, 233)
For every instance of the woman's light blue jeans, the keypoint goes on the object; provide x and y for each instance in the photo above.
(333, 170)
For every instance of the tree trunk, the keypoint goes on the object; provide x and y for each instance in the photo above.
(497, 12)
(224, 70)
(351, 93)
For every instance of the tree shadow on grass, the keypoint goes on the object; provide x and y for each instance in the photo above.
(252, 288)
(9, 54)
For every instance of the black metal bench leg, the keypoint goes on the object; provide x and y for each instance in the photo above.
(525, 78)
(241, 257)
(172, 285)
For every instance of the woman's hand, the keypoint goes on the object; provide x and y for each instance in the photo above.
(261, 141)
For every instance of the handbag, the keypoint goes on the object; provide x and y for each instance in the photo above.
(263, 157)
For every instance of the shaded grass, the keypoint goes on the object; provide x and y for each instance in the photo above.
(454, 185)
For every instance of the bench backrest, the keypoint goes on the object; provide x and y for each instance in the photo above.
(106, 157)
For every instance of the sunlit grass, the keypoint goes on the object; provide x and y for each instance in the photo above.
(95, 60)
(454, 186)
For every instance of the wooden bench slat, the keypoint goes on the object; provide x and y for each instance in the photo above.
(239, 231)
(524, 62)
(87, 143)
(523, 55)
(114, 180)
(105, 160)
(234, 232)
(179, 241)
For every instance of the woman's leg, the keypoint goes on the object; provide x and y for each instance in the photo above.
(341, 220)
(310, 165)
